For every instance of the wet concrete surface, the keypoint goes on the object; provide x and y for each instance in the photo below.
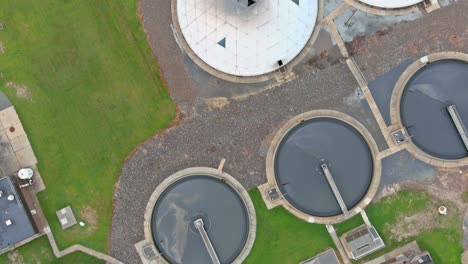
(330, 5)
(404, 167)
(354, 23)
(299, 157)
(382, 88)
(217, 204)
(424, 108)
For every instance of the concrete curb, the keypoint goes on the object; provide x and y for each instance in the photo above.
(244, 79)
(213, 173)
(395, 106)
(377, 166)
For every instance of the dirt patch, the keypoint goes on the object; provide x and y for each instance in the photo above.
(2, 48)
(22, 91)
(89, 216)
(410, 226)
(446, 189)
(449, 185)
(15, 257)
(217, 102)
(388, 191)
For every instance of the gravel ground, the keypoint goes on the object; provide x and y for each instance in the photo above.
(442, 30)
(241, 130)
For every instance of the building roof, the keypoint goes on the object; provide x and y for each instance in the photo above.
(15, 221)
(327, 257)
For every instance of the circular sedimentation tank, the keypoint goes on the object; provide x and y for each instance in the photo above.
(319, 139)
(394, 4)
(242, 40)
(421, 100)
(205, 194)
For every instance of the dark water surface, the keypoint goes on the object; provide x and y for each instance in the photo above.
(222, 210)
(424, 108)
(298, 172)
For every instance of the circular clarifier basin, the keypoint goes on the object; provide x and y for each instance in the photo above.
(323, 164)
(226, 219)
(244, 38)
(394, 4)
(423, 108)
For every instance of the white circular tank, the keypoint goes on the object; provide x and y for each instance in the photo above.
(25, 174)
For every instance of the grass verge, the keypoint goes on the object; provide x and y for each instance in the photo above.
(87, 89)
(283, 238)
(39, 251)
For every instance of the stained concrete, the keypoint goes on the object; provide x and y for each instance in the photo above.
(382, 88)
(404, 167)
(354, 23)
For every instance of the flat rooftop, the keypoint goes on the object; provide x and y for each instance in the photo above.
(361, 241)
(15, 222)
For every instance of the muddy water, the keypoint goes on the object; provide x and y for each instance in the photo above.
(223, 213)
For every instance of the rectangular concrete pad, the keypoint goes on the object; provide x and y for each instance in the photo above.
(9, 117)
(327, 257)
(26, 157)
(66, 215)
(19, 142)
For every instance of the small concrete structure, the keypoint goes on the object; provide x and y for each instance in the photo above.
(407, 254)
(457, 120)
(334, 188)
(361, 241)
(12, 130)
(66, 217)
(200, 226)
(16, 224)
(327, 257)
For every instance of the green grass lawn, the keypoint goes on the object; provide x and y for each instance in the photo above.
(284, 238)
(88, 91)
(38, 251)
(444, 243)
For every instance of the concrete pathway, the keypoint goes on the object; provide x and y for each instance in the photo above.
(76, 248)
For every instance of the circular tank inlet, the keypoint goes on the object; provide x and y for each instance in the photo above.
(323, 163)
(201, 215)
(431, 106)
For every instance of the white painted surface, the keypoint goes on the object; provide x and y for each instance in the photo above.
(256, 36)
(391, 3)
